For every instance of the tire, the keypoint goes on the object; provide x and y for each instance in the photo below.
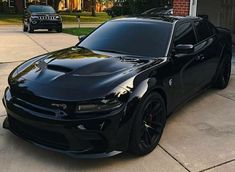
(30, 29)
(49, 30)
(149, 125)
(25, 28)
(59, 30)
(224, 75)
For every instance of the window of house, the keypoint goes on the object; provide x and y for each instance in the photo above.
(184, 34)
(11, 3)
(44, 2)
(36, 2)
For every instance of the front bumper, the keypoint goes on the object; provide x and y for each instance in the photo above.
(94, 137)
(37, 24)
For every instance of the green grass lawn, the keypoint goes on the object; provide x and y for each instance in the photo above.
(78, 32)
(68, 18)
(85, 17)
(10, 19)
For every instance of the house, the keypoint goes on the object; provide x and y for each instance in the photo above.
(19, 5)
(100, 5)
(71, 5)
(219, 12)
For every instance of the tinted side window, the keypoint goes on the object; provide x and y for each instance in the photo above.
(184, 34)
(211, 28)
(203, 30)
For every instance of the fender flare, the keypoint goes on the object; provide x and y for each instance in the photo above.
(221, 62)
(145, 87)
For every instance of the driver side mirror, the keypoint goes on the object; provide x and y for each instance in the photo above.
(82, 37)
(184, 49)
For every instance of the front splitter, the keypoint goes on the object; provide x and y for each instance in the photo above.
(73, 154)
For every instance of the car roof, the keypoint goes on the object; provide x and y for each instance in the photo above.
(161, 18)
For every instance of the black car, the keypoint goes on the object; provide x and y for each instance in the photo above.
(41, 17)
(114, 90)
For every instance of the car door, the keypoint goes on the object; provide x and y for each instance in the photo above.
(188, 68)
(208, 50)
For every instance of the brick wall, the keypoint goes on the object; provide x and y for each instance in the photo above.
(181, 7)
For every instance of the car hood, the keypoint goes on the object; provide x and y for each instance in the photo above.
(76, 73)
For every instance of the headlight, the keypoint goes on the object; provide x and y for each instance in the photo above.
(105, 105)
(34, 17)
(58, 18)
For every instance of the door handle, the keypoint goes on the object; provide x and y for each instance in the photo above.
(200, 57)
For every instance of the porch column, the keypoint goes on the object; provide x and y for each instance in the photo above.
(193, 8)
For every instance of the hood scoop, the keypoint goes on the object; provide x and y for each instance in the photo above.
(59, 68)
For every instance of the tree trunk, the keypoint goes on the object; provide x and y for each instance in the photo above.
(56, 4)
(93, 7)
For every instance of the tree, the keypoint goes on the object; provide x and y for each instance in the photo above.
(93, 7)
(139, 6)
(56, 4)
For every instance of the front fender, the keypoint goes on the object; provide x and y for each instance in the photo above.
(137, 94)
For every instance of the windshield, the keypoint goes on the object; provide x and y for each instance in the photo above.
(139, 38)
(41, 9)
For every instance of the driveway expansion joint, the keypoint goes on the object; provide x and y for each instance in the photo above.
(225, 97)
(36, 42)
(218, 165)
(180, 163)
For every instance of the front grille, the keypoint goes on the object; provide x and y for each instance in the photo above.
(40, 136)
(33, 107)
(47, 17)
(39, 104)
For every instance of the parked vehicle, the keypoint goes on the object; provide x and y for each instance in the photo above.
(114, 90)
(41, 17)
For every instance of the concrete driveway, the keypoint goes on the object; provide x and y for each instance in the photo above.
(198, 137)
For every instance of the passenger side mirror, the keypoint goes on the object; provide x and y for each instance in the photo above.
(81, 38)
(184, 49)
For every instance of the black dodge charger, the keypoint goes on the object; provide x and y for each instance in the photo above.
(114, 90)
(41, 17)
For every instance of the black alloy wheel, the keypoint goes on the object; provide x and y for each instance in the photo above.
(25, 28)
(59, 30)
(149, 124)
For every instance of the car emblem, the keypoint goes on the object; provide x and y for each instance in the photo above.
(60, 106)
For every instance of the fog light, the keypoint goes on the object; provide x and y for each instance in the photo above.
(34, 22)
(96, 126)
(81, 127)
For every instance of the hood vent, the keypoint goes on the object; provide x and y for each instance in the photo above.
(59, 68)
